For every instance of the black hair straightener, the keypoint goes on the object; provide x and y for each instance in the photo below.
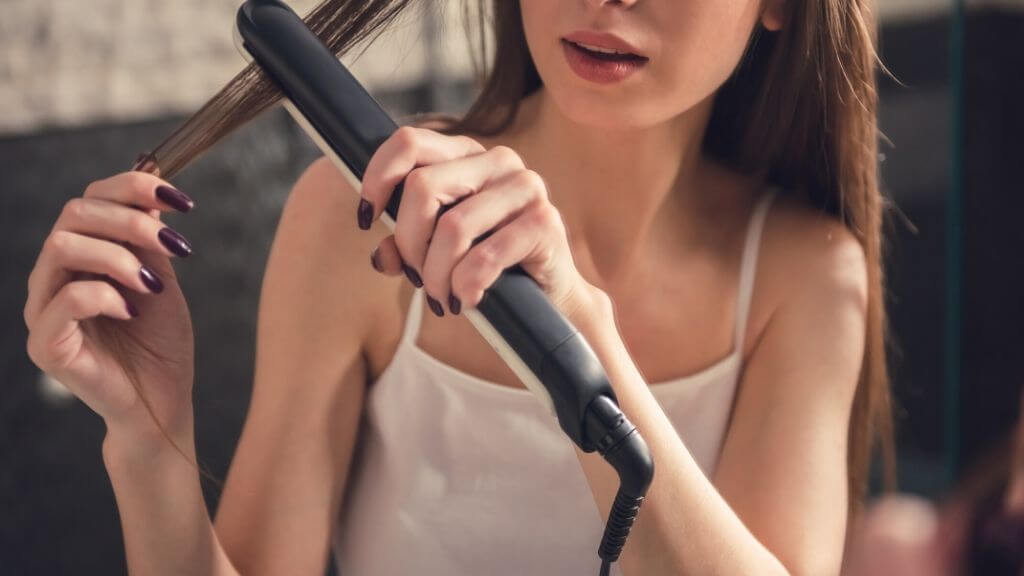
(544, 350)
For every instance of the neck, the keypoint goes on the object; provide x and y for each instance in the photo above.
(619, 191)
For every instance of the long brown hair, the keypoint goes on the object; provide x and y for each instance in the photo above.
(800, 108)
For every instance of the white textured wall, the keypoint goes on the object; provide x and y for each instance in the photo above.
(72, 62)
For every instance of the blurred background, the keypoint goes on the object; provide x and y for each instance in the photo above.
(86, 86)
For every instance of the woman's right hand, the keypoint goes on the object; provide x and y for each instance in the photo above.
(104, 303)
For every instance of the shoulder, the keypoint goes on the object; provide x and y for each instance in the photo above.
(809, 262)
(320, 261)
(816, 248)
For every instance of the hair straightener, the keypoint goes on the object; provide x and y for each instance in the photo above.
(515, 317)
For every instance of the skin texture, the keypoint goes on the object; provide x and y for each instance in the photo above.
(601, 193)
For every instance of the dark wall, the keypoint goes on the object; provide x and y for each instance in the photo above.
(992, 372)
(914, 117)
(59, 515)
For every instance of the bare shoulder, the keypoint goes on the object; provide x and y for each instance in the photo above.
(323, 258)
(806, 256)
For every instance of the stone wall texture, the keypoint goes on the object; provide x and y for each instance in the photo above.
(76, 62)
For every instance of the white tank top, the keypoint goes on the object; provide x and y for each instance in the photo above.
(454, 474)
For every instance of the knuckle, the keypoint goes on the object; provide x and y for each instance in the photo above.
(547, 216)
(138, 183)
(452, 225)
(92, 188)
(140, 224)
(418, 181)
(77, 295)
(471, 144)
(485, 255)
(58, 243)
(533, 181)
(506, 155)
(74, 210)
(127, 261)
(406, 137)
(107, 296)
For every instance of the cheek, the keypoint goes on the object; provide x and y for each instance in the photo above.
(702, 45)
(539, 27)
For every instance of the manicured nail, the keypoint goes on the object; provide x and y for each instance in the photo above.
(454, 304)
(435, 306)
(175, 242)
(365, 214)
(375, 260)
(175, 198)
(151, 280)
(132, 310)
(413, 276)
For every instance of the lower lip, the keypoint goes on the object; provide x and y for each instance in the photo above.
(599, 70)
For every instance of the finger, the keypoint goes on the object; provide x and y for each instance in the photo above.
(56, 337)
(404, 150)
(429, 188)
(140, 189)
(388, 261)
(114, 221)
(523, 240)
(469, 221)
(65, 252)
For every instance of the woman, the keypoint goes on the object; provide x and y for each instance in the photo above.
(693, 186)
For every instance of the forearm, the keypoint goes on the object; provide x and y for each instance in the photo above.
(167, 528)
(684, 526)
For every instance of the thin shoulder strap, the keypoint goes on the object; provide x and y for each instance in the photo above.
(413, 317)
(748, 265)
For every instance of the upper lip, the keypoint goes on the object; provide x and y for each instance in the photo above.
(602, 40)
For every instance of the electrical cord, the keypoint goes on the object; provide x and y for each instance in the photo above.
(619, 442)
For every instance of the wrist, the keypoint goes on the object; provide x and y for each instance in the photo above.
(593, 312)
(141, 441)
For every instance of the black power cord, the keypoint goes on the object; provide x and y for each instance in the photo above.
(619, 442)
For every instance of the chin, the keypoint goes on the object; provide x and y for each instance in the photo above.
(609, 109)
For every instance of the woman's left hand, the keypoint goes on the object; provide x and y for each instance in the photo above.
(455, 191)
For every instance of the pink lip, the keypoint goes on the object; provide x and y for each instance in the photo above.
(603, 40)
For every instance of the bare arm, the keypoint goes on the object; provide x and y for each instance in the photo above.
(283, 490)
(777, 503)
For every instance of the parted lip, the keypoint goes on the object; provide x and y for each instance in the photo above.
(602, 40)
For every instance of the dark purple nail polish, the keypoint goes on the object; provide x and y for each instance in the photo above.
(151, 280)
(365, 214)
(375, 260)
(413, 276)
(174, 198)
(174, 242)
(132, 310)
(435, 306)
(454, 304)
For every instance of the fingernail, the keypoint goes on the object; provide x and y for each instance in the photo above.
(454, 304)
(365, 214)
(151, 280)
(175, 198)
(175, 242)
(375, 260)
(435, 306)
(132, 310)
(413, 276)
